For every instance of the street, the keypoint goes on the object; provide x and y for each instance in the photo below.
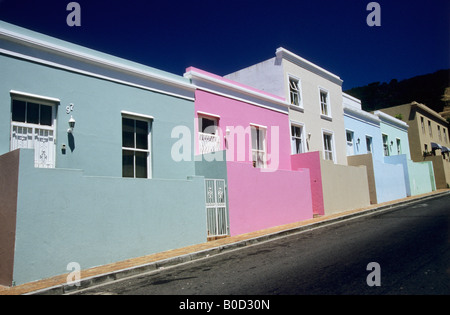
(410, 245)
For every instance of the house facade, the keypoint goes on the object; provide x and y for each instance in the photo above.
(364, 147)
(317, 126)
(87, 172)
(418, 176)
(250, 130)
(428, 138)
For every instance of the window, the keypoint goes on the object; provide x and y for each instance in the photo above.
(439, 132)
(422, 124)
(399, 146)
(445, 134)
(208, 138)
(429, 129)
(328, 146)
(369, 144)
(294, 92)
(324, 103)
(297, 139)
(207, 125)
(258, 135)
(350, 144)
(33, 127)
(385, 145)
(31, 113)
(135, 148)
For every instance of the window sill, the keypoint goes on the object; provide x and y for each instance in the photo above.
(297, 108)
(329, 118)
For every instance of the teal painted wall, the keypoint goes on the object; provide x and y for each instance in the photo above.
(65, 216)
(97, 111)
(418, 177)
(393, 132)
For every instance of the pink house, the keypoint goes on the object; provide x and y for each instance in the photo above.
(253, 128)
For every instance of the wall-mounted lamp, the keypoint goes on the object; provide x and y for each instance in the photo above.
(309, 135)
(358, 141)
(71, 125)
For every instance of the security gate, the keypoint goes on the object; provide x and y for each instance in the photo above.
(216, 207)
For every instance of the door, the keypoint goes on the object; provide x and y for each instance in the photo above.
(216, 208)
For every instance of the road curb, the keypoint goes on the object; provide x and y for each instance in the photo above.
(173, 261)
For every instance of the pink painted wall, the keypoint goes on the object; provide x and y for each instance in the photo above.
(259, 200)
(311, 161)
(237, 116)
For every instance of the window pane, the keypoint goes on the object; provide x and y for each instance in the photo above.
(46, 115)
(127, 133)
(208, 126)
(298, 145)
(18, 111)
(141, 134)
(141, 164)
(127, 163)
(254, 136)
(32, 113)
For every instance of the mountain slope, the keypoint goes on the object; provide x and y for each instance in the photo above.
(426, 89)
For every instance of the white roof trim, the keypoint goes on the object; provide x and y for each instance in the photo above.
(391, 119)
(17, 37)
(192, 74)
(284, 53)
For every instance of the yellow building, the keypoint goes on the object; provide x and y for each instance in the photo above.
(428, 137)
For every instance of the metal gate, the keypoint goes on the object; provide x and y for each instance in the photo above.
(216, 207)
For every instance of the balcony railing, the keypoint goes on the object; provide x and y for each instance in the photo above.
(208, 143)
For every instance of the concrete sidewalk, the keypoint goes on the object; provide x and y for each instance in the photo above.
(135, 266)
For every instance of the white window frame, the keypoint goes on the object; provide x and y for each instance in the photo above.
(385, 145)
(398, 143)
(208, 142)
(327, 103)
(258, 150)
(299, 91)
(352, 142)
(149, 120)
(369, 148)
(332, 149)
(41, 100)
(302, 137)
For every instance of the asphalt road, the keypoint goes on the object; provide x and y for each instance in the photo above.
(410, 245)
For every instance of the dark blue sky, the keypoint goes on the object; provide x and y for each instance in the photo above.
(225, 36)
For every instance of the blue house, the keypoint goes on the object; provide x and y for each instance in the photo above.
(365, 147)
(87, 172)
(380, 142)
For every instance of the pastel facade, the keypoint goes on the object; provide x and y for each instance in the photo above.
(106, 190)
(418, 176)
(103, 159)
(428, 137)
(317, 125)
(252, 127)
(364, 147)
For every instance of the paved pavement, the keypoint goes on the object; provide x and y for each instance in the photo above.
(110, 272)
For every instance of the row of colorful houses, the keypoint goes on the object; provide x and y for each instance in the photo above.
(103, 159)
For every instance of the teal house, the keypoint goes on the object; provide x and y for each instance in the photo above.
(380, 142)
(418, 176)
(89, 170)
